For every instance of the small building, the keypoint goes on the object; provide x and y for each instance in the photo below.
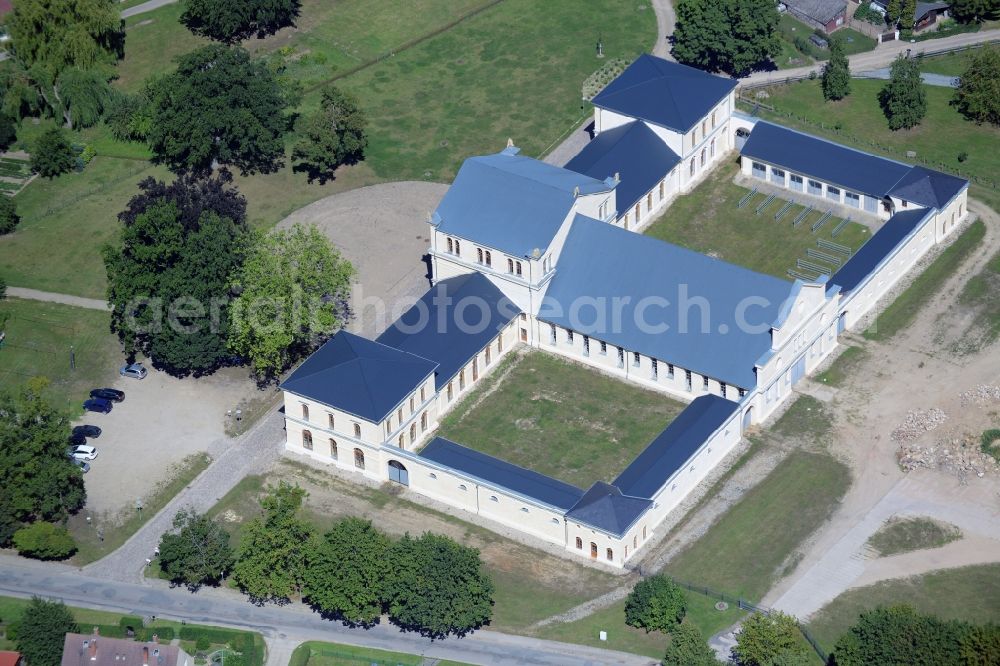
(97, 650)
(9, 658)
(926, 14)
(827, 15)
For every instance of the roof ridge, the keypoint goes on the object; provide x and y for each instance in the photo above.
(535, 180)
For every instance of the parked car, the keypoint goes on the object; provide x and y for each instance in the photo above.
(87, 431)
(114, 395)
(83, 452)
(98, 405)
(135, 371)
(77, 439)
(82, 465)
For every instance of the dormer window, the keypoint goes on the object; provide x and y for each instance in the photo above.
(451, 246)
(510, 265)
(517, 268)
(479, 254)
(489, 258)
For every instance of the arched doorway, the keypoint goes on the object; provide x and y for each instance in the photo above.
(747, 418)
(398, 473)
(742, 134)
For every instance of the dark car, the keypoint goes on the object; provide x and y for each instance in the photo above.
(87, 431)
(114, 395)
(77, 439)
(98, 405)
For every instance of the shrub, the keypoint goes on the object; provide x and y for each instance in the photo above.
(991, 443)
(203, 643)
(44, 541)
(962, 156)
(656, 603)
(8, 131)
(52, 154)
(8, 215)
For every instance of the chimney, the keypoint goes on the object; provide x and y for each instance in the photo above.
(145, 656)
(93, 649)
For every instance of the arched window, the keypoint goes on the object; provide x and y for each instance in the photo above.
(359, 458)
(305, 412)
(711, 148)
(489, 354)
(643, 532)
(489, 258)
(307, 440)
(462, 486)
(461, 379)
(333, 449)
(703, 153)
(458, 247)
(635, 542)
(593, 549)
(357, 430)
(475, 369)
(423, 422)
(494, 498)
(451, 246)
(479, 254)
(451, 392)
(662, 187)
(579, 543)
(691, 166)
(401, 440)
(413, 432)
(610, 555)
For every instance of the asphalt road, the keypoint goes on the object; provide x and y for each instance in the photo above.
(286, 624)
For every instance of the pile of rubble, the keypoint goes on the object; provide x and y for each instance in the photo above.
(959, 456)
(981, 395)
(917, 423)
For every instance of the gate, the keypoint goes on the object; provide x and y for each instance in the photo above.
(398, 473)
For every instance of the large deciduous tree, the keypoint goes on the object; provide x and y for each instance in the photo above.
(52, 154)
(37, 480)
(220, 105)
(346, 572)
(197, 552)
(836, 80)
(41, 630)
(728, 35)
(978, 93)
(655, 604)
(230, 21)
(903, 99)
(972, 11)
(293, 290)
(63, 52)
(688, 648)
(270, 564)
(767, 639)
(331, 136)
(169, 273)
(438, 587)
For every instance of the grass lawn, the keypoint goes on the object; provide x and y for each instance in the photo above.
(117, 529)
(949, 64)
(901, 312)
(530, 584)
(38, 342)
(560, 418)
(707, 220)
(903, 535)
(843, 366)
(967, 593)
(316, 653)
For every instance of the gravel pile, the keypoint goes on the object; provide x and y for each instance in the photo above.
(981, 395)
(918, 422)
(958, 456)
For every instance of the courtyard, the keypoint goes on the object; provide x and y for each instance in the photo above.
(708, 220)
(559, 418)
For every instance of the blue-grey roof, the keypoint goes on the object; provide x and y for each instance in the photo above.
(503, 474)
(831, 162)
(634, 152)
(452, 322)
(878, 247)
(606, 508)
(510, 202)
(823, 11)
(361, 377)
(618, 267)
(673, 447)
(664, 93)
(928, 187)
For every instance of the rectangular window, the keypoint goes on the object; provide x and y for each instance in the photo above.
(662, 188)
(635, 359)
(687, 379)
(412, 399)
(423, 394)
(758, 170)
(510, 265)
(903, 201)
(569, 336)
(722, 390)
(489, 259)
(670, 370)
(704, 127)
(704, 383)
(795, 181)
(852, 199)
(330, 420)
(621, 357)
(461, 379)
(586, 345)
(399, 414)
(517, 268)
(552, 329)
(815, 188)
(742, 392)
(451, 246)
(649, 201)
(451, 392)
(871, 204)
(604, 347)
(489, 354)
(458, 247)
(713, 118)
(777, 176)
(832, 193)
(656, 369)
(479, 254)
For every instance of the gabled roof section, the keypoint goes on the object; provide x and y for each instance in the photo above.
(634, 152)
(452, 322)
(606, 508)
(928, 187)
(825, 160)
(502, 474)
(673, 447)
(823, 11)
(511, 203)
(882, 243)
(361, 377)
(664, 93)
(618, 267)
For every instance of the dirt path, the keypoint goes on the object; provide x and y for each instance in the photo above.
(64, 299)
(666, 19)
(909, 372)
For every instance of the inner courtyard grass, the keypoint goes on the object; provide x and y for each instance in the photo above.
(559, 418)
(707, 220)
(903, 535)
(966, 593)
(39, 338)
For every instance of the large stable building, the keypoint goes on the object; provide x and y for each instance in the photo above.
(527, 253)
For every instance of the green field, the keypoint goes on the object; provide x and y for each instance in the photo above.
(968, 593)
(39, 340)
(316, 653)
(559, 418)
(707, 220)
(843, 366)
(901, 312)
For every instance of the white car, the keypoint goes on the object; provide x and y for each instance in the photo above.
(135, 371)
(82, 452)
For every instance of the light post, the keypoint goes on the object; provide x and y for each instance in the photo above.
(138, 507)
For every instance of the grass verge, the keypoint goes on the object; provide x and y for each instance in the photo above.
(901, 311)
(843, 366)
(560, 418)
(117, 529)
(902, 535)
(317, 653)
(966, 593)
(981, 295)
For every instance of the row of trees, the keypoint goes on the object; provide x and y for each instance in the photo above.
(352, 572)
(733, 36)
(192, 284)
(40, 487)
